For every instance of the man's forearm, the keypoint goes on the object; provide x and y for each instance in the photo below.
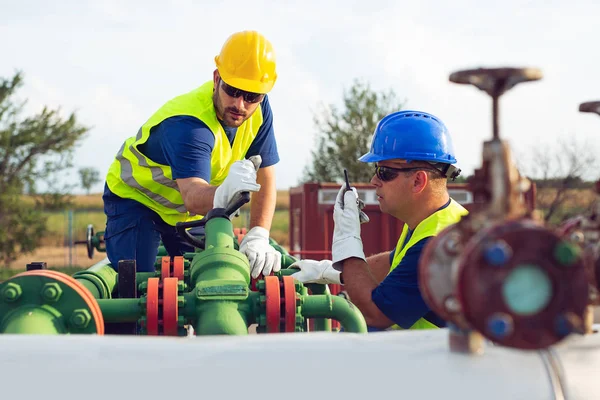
(199, 197)
(379, 265)
(262, 207)
(359, 282)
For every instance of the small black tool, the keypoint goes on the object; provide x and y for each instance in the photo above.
(347, 180)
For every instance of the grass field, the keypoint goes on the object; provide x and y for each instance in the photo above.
(54, 249)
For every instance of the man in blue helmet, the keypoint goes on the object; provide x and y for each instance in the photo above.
(414, 157)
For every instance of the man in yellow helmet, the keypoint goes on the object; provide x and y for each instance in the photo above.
(192, 155)
(414, 157)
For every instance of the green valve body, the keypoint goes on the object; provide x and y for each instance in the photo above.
(221, 277)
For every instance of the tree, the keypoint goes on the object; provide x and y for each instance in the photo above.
(343, 136)
(558, 172)
(32, 150)
(89, 177)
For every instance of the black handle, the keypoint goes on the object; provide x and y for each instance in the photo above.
(181, 227)
(347, 180)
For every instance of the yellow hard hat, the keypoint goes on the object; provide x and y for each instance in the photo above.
(247, 62)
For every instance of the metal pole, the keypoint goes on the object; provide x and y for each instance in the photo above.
(70, 230)
(495, 117)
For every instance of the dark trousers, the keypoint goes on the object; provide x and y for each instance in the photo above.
(134, 232)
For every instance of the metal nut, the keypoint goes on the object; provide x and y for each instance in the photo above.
(11, 292)
(51, 292)
(80, 318)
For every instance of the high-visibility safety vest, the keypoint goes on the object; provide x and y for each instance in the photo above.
(132, 175)
(430, 226)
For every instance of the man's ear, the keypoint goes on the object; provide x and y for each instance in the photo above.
(420, 181)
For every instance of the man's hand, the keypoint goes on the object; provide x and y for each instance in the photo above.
(261, 255)
(347, 242)
(312, 271)
(241, 178)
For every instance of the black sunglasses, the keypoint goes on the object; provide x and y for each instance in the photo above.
(249, 97)
(386, 174)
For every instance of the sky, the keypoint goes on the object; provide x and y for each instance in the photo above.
(114, 62)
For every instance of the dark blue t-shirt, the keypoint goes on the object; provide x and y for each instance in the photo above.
(398, 296)
(185, 144)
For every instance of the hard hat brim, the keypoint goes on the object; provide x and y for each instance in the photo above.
(370, 157)
(247, 84)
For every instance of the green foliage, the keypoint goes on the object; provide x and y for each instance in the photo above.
(89, 177)
(343, 136)
(32, 149)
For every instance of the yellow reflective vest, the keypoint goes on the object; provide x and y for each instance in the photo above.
(132, 175)
(430, 226)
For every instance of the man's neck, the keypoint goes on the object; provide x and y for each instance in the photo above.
(423, 209)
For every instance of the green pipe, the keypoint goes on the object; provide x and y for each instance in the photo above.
(220, 261)
(162, 251)
(320, 324)
(93, 284)
(100, 279)
(335, 307)
(220, 318)
(189, 306)
(33, 320)
(287, 271)
(121, 310)
(141, 277)
(219, 233)
(220, 276)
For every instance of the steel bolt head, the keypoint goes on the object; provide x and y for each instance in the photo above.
(11, 292)
(51, 292)
(80, 318)
(566, 254)
(500, 325)
(497, 253)
(567, 323)
(260, 285)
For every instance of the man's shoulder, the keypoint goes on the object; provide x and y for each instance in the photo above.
(185, 129)
(265, 106)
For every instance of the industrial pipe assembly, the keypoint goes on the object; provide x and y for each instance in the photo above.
(209, 290)
(499, 272)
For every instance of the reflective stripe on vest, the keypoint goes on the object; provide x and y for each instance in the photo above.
(430, 226)
(134, 176)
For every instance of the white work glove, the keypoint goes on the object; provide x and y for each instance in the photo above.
(262, 256)
(346, 232)
(312, 271)
(241, 178)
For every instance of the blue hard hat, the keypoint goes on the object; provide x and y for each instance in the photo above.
(411, 136)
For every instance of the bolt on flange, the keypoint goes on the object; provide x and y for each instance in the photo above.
(11, 292)
(80, 318)
(51, 292)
